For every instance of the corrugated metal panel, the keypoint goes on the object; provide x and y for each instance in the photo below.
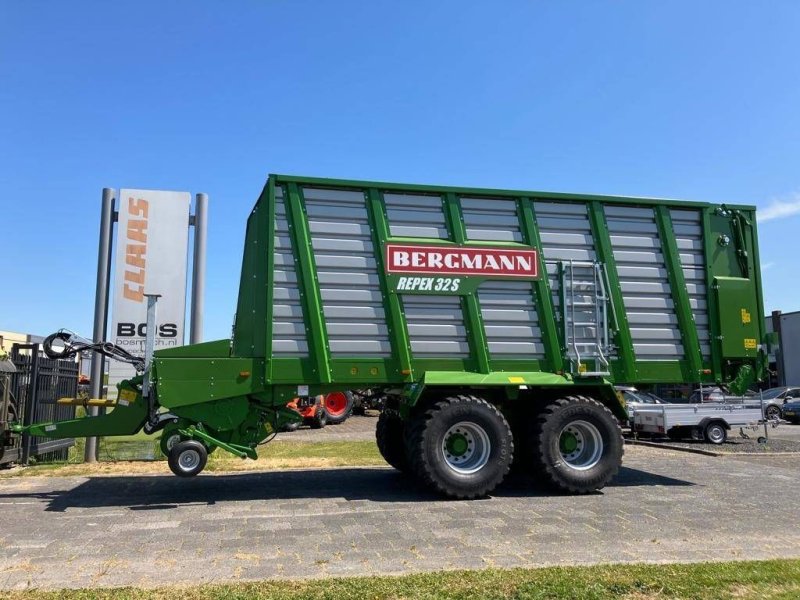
(687, 225)
(510, 319)
(436, 326)
(491, 220)
(567, 235)
(288, 329)
(347, 272)
(415, 215)
(645, 285)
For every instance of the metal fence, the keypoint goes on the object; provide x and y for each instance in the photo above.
(35, 388)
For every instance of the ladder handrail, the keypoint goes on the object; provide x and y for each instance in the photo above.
(598, 299)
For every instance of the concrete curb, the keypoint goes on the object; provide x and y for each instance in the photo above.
(668, 446)
(671, 447)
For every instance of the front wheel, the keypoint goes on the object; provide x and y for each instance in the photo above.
(773, 413)
(577, 445)
(188, 458)
(461, 447)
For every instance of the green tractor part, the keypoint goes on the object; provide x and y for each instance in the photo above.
(491, 325)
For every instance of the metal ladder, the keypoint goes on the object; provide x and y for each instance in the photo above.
(585, 305)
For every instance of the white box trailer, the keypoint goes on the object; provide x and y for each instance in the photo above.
(698, 421)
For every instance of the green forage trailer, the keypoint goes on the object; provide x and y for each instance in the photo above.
(495, 322)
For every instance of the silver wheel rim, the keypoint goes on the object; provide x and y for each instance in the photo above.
(716, 433)
(172, 440)
(585, 448)
(466, 447)
(188, 460)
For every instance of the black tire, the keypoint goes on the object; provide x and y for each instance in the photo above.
(187, 458)
(292, 426)
(389, 437)
(772, 412)
(320, 418)
(675, 434)
(558, 466)
(341, 417)
(484, 451)
(715, 433)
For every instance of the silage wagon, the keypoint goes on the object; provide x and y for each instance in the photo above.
(494, 321)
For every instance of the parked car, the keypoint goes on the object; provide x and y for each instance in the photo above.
(716, 394)
(774, 398)
(791, 410)
(636, 399)
(777, 398)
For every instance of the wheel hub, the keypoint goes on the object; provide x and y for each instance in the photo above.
(569, 442)
(457, 444)
(466, 447)
(189, 459)
(580, 445)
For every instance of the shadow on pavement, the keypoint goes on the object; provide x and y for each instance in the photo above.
(378, 485)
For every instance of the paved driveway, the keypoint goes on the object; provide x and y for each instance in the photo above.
(154, 530)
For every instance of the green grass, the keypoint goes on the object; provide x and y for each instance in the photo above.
(275, 455)
(776, 579)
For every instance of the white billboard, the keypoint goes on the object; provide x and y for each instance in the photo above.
(151, 258)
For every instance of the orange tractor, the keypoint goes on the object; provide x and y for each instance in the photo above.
(318, 411)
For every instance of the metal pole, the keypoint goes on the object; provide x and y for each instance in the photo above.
(198, 268)
(100, 309)
(31, 402)
(780, 365)
(149, 344)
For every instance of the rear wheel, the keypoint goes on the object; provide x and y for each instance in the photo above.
(389, 437)
(461, 447)
(187, 458)
(339, 406)
(577, 445)
(715, 433)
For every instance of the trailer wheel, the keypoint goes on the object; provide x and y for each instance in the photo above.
(577, 445)
(339, 406)
(187, 458)
(715, 433)
(389, 437)
(461, 447)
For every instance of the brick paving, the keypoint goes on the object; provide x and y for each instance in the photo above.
(154, 530)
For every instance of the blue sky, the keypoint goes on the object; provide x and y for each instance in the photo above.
(694, 100)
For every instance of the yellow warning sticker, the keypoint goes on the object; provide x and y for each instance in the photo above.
(750, 343)
(745, 316)
(516, 379)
